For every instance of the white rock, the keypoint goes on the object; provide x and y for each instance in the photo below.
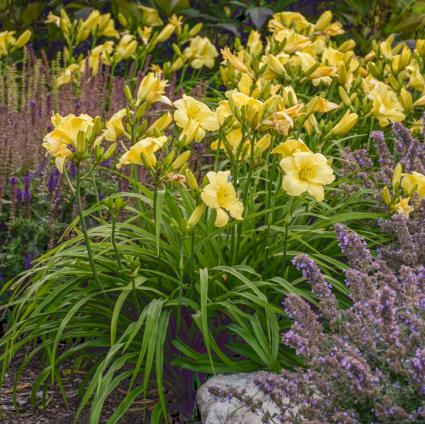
(222, 411)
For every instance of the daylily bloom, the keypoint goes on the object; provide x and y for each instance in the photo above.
(291, 146)
(293, 42)
(7, 40)
(403, 207)
(234, 60)
(65, 133)
(414, 182)
(145, 34)
(386, 107)
(67, 76)
(195, 115)
(115, 127)
(150, 16)
(200, 52)
(220, 195)
(143, 152)
(151, 90)
(126, 47)
(251, 108)
(284, 20)
(306, 171)
(106, 26)
(100, 54)
(322, 105)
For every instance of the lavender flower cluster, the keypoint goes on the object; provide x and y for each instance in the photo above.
(364, 364)
(408, 151)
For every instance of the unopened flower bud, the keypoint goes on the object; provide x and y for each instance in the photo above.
(195, 216)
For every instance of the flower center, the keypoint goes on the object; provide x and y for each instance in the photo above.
(306, 173)
(223, 195)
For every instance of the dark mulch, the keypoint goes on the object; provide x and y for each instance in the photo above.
(56, 410)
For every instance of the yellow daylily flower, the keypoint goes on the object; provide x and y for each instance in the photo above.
(293, 42)
(386, 107)
(143, 152)
(126, 47)
(325, 25)
(416, 79)
(145, 34)
(414, 182)
(89, 25)
(403, 207)
(220, 195)
(193, 114)
(285, 20)
(254, 44)
(283, 120)
(177, 22)
(234, 60)
(106, 26)
(234, 139)
(152, 89)
(201, 52)
(306, 171)
(150, 16)
(420, 47)
(67, 76)
(100, 54)
(64, 134)
(291, 146)
(7, 40)
(253, 108)
(322, 105)
(53, 19)
(115, 127)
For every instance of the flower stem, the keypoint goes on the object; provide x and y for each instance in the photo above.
(84, 229)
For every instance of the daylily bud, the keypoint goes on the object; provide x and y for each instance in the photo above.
(324, 20)
(109, 152)
(169, 158)
(405, 57)
(177, 65)
(344, 96)
(274, 64)
(311, 105)
(397, 176)
(346, 123)
(347, 45)
(420, 47)
(420, 102)
(386, 196)
(165, 33)
(180, 160)
(394, 83)
(161, 123)
(406, 100)
(191, 180)
(23, 39)
(127, 93)
(342, 73)
(195, 30)
(81, 142)
(195, 216)
(122, 19)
